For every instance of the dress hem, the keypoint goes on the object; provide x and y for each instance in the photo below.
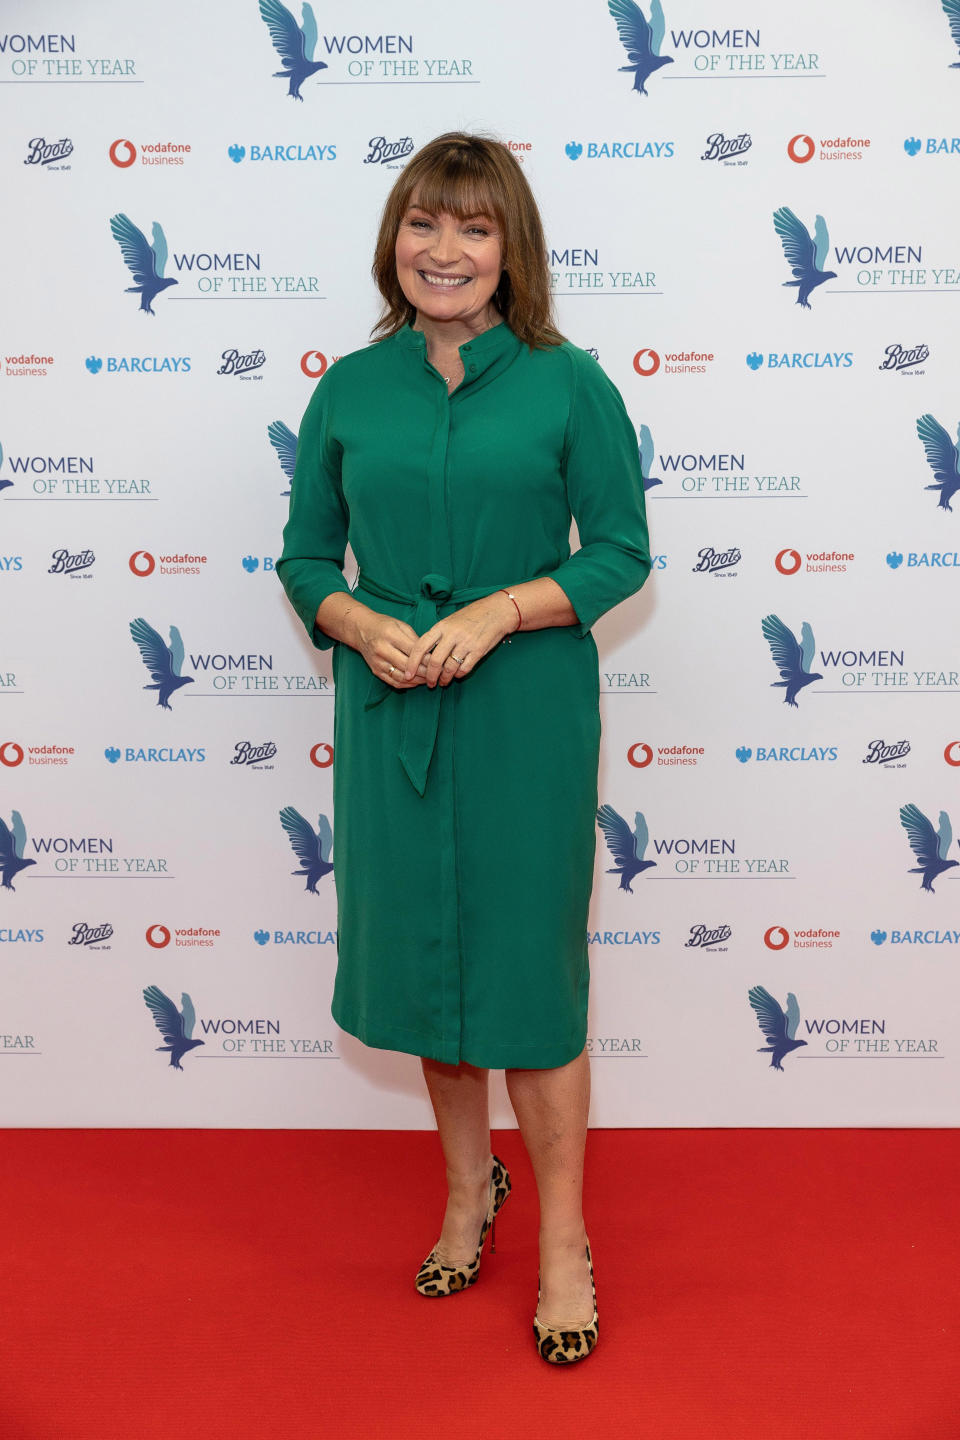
(428, 1047)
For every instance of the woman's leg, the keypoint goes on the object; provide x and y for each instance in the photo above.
(458, 1094)
(551, 1108)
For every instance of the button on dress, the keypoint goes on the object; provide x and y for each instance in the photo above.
(464, 816)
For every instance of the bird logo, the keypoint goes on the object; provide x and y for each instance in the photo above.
(312, 848)
(951, 8)
(791, 659)
(145, 262)
(627, 846)
(573, 149)
(13, 842)
(176, 1026)
(942, 457)
(895, 559)
(3, 483)
(94, 364)
(647, 455)
(294, 44)
(755, 359)
(878, 936)
(285, 443)
(778, 1026)
(804, 256)
(236, 153)
(930, 846)
(164, 662)
(641, 39)
(250, 563)
(912, 145)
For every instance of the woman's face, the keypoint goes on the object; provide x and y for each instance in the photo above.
(449, 268)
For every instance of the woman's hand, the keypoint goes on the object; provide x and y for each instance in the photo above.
(450, 649)
(385, 644)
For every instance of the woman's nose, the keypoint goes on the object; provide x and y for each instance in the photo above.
(446, 246)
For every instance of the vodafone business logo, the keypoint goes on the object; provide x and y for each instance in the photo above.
(313, 364)
(322, 756)
(646, 362)
(123, 154)
(776, 938)
(951, 754)
(788, 562)
(12, 754)
(639, 755)
(801, 148)
(142, 563)
(157, 936)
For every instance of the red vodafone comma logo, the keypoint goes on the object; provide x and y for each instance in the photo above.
(639, 755)
(776, 938)
(318, 758)
(788, 562)
(801, 149)
(142, 563)
(951, 754)
(123, 153)
(646, 362)
(12, 754)
(313, 364)
(157, 936)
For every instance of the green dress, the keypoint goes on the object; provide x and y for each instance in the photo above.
(464, 817)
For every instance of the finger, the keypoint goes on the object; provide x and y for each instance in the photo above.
(437, 666)
(390, 664)
(418, 653)
(451, 666)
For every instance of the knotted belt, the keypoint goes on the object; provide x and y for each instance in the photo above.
(421, 705)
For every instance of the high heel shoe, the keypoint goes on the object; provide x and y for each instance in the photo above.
(436, 1279)
(562, 1345)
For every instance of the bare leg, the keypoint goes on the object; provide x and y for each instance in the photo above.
(458, 1094)
(551, 1108)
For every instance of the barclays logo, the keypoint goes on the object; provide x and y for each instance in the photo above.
(787, 754)
(754, 360)
(943, 457)
(140, 364)
(720, 148)
(94, 364)
(925, 560)
(311, 847)
(804, 253)
(236, 364)
(156, 755)
(912, 145)
(933, 145)
(10, 562)
(40, 152)
(621, 149)
(895, 559)
(296, 937)
(288, 154)
(897, 358)
(803, 360)
(778, 1026)
(387, 152)
(704, 938)
(252, 563)
(285, 442)
(9, 936)
(916, 937)
(641, 39)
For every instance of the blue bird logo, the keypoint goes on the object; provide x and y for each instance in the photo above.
(145, 262)
(791, 659)
(779, 1026)
(3, 483)
(312, 848)
(895, 559)
(951, 8)
(293, 43)
(250, 563)
(94, 364)
(164, 662)
(647, 456)
(641, 39)
(912, 145)
(13, 842)
(285, 443)
(878, 936)
(627, 846)
(261, 936)
(112, 754)
(942, 457)
(175, 1026)
(743, 754)
(928, 845)
(755, 360)
(573, 150)
(236, 153)
(804, 256)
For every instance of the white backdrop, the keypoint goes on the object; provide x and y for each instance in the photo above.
(158, 856)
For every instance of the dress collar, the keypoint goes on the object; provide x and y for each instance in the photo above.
(491, 350)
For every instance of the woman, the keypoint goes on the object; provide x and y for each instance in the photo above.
(451, 455)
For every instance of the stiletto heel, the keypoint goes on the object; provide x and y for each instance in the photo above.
(435, 1279)
(563, 1345)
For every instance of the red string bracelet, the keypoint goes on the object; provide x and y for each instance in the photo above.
(515, 606)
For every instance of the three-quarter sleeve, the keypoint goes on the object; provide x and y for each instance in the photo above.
(315, 535)
(601, 467)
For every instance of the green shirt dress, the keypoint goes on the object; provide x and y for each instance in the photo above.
(464, 817)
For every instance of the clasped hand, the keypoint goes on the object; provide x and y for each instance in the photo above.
(449, 650)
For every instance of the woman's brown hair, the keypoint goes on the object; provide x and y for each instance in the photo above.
(466, 175)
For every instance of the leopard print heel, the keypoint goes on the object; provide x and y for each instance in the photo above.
(435, 1279)
(559, 1346)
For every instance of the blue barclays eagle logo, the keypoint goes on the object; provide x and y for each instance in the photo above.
(285, 443)
(791, 658)
(942, 457)
(312, 848)
(145, 262)
(647, 456)
(779, 1026)
(804, 256)
(176, 1026)
(627, 846)
(164, 662)
(13, 842)
(951, 8)
(294, 44)
(928, 845)
(641, 39)
(4, 484)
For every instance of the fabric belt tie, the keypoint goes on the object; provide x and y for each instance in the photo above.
(421, 705)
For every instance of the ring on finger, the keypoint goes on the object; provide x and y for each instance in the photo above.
(391, 669)
(456, 658)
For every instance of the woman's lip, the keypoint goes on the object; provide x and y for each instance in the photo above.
(431, 276)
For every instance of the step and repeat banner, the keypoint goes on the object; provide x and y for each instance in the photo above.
(751, 213)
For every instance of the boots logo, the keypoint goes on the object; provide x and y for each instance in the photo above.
(627, 847)
(175, 1026)
(236, 364)
(717, 562)
(312, 848)
(727, 151)
(245, 753)
(897, 358)
(779, 1026)
(13, 842)
(163, 662)
(641, 39)
(928, 845)
(285, 443)
(95, 935)
(791, 658)
(703, 938)
(145, 262)
(387, 152)
(66, 564)
(804, 255)
(942, 457)
(294, 44)
(880, 753)
(40, 152)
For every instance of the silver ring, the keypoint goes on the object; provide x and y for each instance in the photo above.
(391, 670)
(457, 658)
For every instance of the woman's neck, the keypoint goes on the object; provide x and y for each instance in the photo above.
(444, 337)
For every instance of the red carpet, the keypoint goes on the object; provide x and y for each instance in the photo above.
(798, 1285)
